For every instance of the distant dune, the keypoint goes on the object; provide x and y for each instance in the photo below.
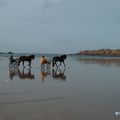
(101, 52)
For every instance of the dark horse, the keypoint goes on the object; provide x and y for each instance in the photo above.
(26, 58)
(58, 59)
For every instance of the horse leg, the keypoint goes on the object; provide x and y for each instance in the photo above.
(53, 63)
(30, 64)
(60, 64)
(23, 64)
(64, 64)
(18, 63)
(56, 64)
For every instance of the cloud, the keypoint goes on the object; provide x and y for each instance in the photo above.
(53, 1)
(2, 3)
(50, 3)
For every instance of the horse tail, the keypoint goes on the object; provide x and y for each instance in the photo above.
(19, 61)
(53, 63)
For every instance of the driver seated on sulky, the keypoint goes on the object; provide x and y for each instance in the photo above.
(12, 59)
(43, 60)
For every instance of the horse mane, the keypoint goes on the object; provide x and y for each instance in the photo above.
(32, 56)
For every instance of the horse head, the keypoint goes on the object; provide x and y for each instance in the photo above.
(32, 57)
(64, 56)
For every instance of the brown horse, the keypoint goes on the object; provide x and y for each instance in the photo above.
(26, 58)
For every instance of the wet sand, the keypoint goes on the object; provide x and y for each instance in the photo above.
(86, 89)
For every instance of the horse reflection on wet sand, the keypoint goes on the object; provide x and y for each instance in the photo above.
(25, 75)
(22, 74)
(59, 74)
(27, 59)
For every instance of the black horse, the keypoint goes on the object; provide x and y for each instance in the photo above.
(59, 59)
(26, 58)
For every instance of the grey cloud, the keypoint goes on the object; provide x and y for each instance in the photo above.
(2, 3)
(50, 3)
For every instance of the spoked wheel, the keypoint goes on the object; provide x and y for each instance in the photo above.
(13, 65)
(48, 66)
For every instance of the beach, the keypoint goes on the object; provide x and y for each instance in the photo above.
(87, 88)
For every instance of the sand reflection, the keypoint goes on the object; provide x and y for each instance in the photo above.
(106, 61)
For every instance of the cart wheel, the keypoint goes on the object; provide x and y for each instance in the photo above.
(15, 65)
(48, 66)
(11, 65)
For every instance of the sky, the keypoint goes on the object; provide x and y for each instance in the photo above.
(59, 26)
